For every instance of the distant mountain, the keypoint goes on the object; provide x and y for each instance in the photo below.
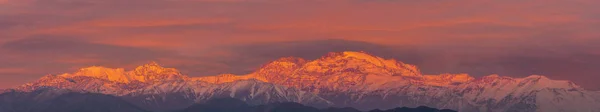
(235, 105)
(363, 81)
(346, 79)
(418, 109)
(156, 88)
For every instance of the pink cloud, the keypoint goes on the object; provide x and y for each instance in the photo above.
(152, 22)
(14, 70)
(186, 33)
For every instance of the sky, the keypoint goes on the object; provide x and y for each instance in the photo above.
(556, 38)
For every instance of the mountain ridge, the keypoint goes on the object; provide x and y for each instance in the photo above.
(345, 79)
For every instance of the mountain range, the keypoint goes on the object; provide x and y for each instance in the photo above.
(340, 79)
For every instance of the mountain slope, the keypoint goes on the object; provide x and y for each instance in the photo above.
(176, 95)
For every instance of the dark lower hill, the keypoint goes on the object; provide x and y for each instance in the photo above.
(56, 100)
(63, 101)
(235, 105)
(418, 109)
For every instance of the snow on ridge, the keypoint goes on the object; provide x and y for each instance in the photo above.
(356, 74)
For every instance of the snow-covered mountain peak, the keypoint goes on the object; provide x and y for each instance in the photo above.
(154, 68)
(537, 77)
(152, 63)
(354, 56)
(336, 68)
(153, 72)
(118, 75)
(359, 63)
(493, 76)
(362, 55)
(540, 82)
(150, 72)
(532, 82)
(49, 76)
(283, 64)
(497, 87)
(295, 60)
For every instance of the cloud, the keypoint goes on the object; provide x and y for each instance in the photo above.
(5, 25)
(72, 47)
(207, 37)
(138, 22)
(13, 70)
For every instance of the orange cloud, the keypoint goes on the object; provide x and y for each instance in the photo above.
(14, 70)
(152, 22)
(78, 60)
(147, 29)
